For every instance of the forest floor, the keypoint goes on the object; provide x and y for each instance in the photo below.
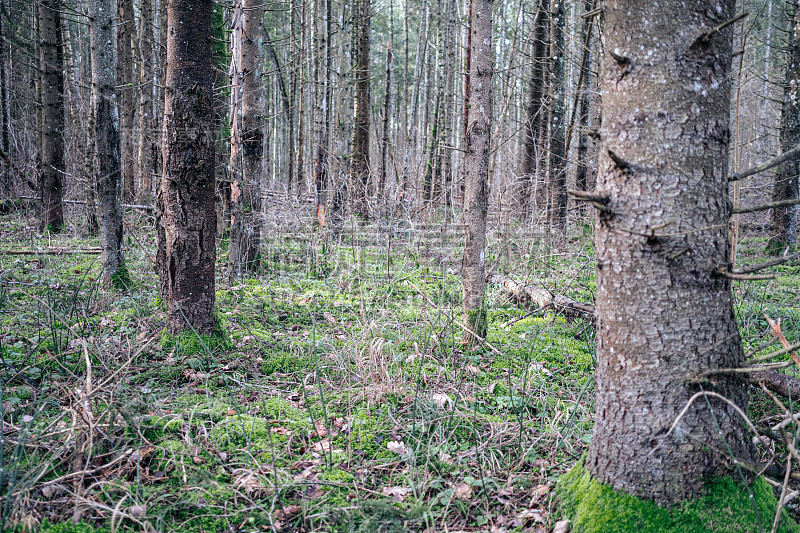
(342, 398)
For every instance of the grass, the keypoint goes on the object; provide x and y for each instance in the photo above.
(341, 397)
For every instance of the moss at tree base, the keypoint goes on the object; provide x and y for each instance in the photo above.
(725, 507)
(190, 342)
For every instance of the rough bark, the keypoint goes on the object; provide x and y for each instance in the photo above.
(105, 118)
(360, 166)
(246, 174)
(387, 118)
(126, 29)
(476, 166)
(784, 219)
(557, 175)
(662, 314)
(187, 184)
(585, 88)
(533, 127)
(778, 382)
(146, 134)
(51, 67)
(325, 49)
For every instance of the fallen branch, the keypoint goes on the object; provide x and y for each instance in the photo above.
(51, 251)
(532, 297)
(83, 202)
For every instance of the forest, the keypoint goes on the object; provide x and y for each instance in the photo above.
(399, 265)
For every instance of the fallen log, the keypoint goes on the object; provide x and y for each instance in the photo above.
(778, 382)
(532, 297)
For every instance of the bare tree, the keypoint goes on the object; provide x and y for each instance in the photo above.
(784, 219)
(187, 184)
(51, 88)
(247, 136)
(360, 166)
(664, 314)
(476, 166)
(105, 121)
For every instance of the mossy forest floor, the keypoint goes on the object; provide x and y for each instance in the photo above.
(342, 399)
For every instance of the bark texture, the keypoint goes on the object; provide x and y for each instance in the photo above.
(247, 141)
(126, 29)
(557, 175)
(662, 314)
(187, 184)
(105, 121)
(360, 167)
(146, 117)
(476, 166)
(51, 86)
(531, 155)
(784, 219)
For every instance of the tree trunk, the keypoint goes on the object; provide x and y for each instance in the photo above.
(360, 167)
(51, 155)
(246, 184)
(784, 219)
(662, 314)
(476, 166)
(106, 136)
(187, 183)
(146, 147)
(557, 175)
(533, 128)
(125, 37)
(387, 121)
(584, 88)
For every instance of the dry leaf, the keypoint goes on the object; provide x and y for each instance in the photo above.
(531, 514)
(329, 317)
(540, 491)
(398, 494)
(138, 511)
(397, 447)
(472, 369)
(463, 491)
(281, 431)
(441, 399)
(323, 446)
(562, 526)
(319, 428)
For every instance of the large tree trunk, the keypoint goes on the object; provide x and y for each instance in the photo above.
(51, 157)
(106, 137)
(784, 219)
(476, 166)
(247, 136)
(146, 147)
(126, 28)
(360, 167)
(663, 316)
(187, 184)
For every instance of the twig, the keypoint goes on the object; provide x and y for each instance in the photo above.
(776, 327)
(774, 162)
(586, 196)
(762, 266)
(744, 277)
(710, 33)
(765, 207)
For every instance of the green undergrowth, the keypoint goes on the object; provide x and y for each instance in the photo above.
(725, 507)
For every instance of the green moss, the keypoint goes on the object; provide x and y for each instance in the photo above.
(725, 507)
(121, 279)
(190, 342)
(67, 527)
(477, 320)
